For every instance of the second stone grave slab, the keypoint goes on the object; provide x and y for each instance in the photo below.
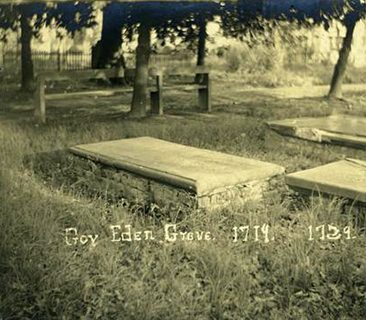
(336, 136)
(343, 179)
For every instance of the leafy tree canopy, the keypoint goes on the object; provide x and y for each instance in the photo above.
(248, 15)
(182, 16)
(70, 15)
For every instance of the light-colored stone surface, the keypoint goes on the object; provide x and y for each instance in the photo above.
(326, 151)
(341, 123)
(116, 184)
(192, 169)
(342, 130)
(345, 178)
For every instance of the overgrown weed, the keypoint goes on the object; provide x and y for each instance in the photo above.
(287, 277)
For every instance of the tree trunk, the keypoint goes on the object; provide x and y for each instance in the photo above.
(26, 53)
(340, 68)
(95, 55)
(201, 50)
(110, 42)
(138, 107)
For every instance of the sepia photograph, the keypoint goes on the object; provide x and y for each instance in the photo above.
(183, 160)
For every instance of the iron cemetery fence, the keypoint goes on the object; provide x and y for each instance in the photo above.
(43, 60)
(79, 60)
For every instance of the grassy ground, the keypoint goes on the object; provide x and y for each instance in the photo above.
(291, 277)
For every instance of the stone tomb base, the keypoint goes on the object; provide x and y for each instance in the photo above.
(161, 172)
(334, 136)
(344, 179)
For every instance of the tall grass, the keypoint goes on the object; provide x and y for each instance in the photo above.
(41, 277)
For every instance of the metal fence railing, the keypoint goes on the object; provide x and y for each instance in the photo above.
(43, 60)
(78, 60)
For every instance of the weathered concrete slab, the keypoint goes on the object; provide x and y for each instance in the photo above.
(344, 124)
(338, 129)
(202, 173)
(190, 168)
(345, 178)
(335, 136)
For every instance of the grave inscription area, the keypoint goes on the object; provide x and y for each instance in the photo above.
(159, 171)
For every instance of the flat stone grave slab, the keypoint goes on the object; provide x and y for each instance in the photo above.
(161, 171)
(342, 134)
(344, 179)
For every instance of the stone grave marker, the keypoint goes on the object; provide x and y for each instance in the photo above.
(343, 179)
(159, 171)
(341, 135)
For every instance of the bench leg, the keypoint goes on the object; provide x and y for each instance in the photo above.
(40, 102)
(204, 95)
(156, 103)
(156, 97)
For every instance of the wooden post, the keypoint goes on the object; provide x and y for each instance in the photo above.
(120, 72)
(58, 60)
(156, 98)
(204, 94)
(40, 100)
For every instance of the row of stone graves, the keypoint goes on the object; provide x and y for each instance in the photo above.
(341, 137)
(158, 171)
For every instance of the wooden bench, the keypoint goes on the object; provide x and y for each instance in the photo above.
(156, 91)
(40, 95)
(204, 87)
